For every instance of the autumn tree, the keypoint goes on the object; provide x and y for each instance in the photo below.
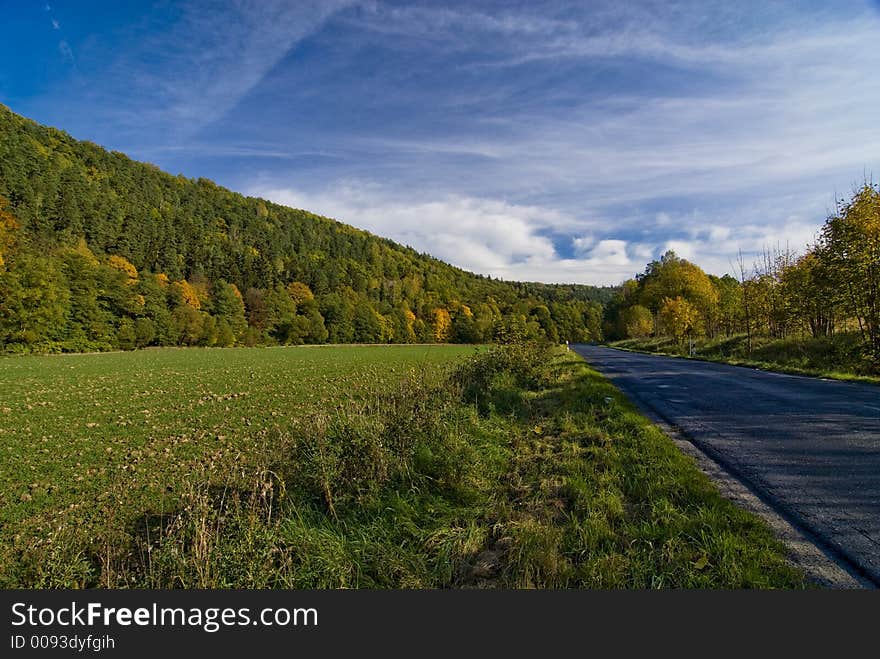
(636, 322)
(850, 248)
(441, 325)
(182, 292)
(300, 292)
(811, 294)
(728, 314)
(124, 266)
(679, 318)
(673, 277)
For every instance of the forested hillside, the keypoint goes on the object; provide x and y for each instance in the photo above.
(98, 252)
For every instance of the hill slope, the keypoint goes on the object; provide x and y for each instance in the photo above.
(98, 251)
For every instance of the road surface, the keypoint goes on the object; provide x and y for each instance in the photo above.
(809, 447)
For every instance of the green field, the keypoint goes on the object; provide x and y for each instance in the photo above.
(89, 437)
(353, 467)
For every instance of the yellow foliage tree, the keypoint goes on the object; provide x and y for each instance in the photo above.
(162, 280)
(187, 293)
(680, 318)
(442, 325)
(673, 277)
(850, 251)
(409, 334)
(124, 265)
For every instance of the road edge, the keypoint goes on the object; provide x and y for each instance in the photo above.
(756, 366)
(807, 552)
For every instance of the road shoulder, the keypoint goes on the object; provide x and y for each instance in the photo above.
(805, 551)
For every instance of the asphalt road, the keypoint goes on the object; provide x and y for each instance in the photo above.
(809, 447)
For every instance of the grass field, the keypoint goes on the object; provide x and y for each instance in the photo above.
(337, 467)
(97, 437)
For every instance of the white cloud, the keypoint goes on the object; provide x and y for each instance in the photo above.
(609, 252)
(487, 236)
(789, 116)
(479, 234)
(740, 149)
(684, 248)
(583, 244)
(716, 247)
(507, 240)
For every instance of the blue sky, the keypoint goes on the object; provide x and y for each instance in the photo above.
(548, 141)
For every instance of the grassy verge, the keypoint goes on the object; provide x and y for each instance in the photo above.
(518, 469)
(838, 357)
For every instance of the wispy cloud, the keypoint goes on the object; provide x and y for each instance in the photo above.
(557, 141)
(783, 115)
(66, 52)
(214, 54)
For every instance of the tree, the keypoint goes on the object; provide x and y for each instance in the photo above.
(637, 322)
(850, 249)
(257, 311)
(673, 277)
(144, 332)
(188, 325)
(8, 227)
(338, 315)
(367, 326)
(124, 266)
(34, 302)
(316, 331)
(225, 336)
(730, 308)
(441, 325)
(228, 305)
(126, 338)
(281, 315)
(811, 294)
(679, 318)
(209, 334)
(300, 293)
(89, 319)
(541, 314)
(465, 330)
(182, 292)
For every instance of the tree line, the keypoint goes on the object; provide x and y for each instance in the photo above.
(100, 252)
(831, 288)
